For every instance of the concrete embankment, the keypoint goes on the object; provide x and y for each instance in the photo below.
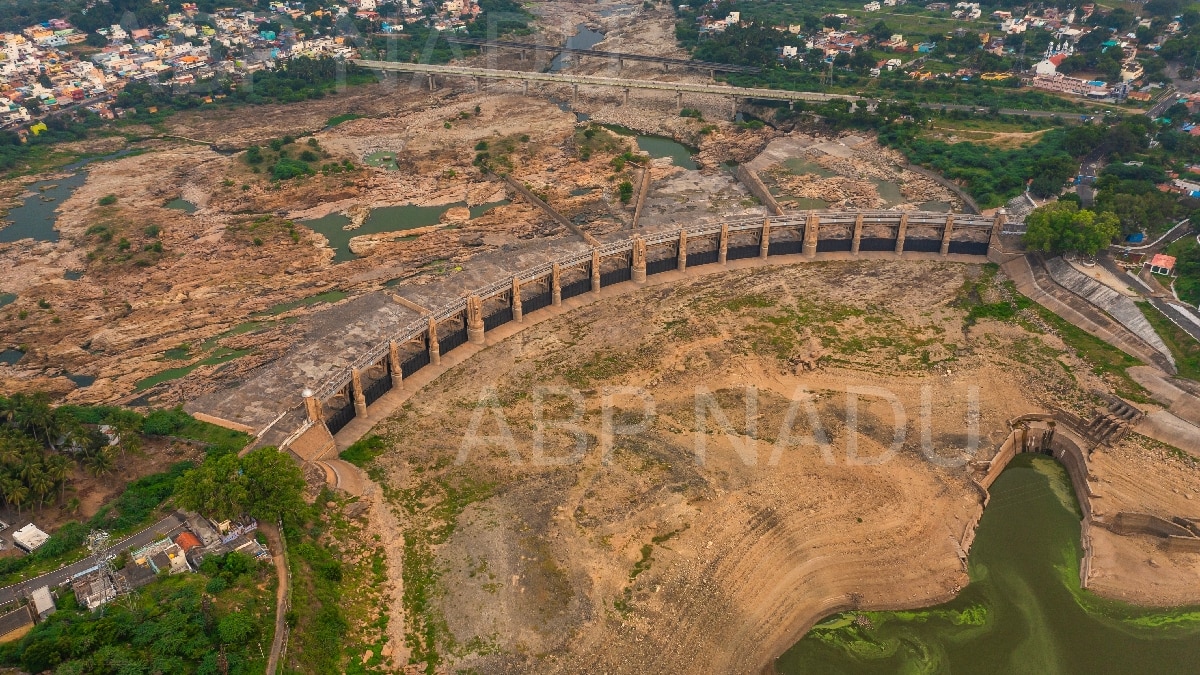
(1117, 306)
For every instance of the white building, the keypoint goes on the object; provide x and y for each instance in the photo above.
(871, 6)
(1045, 68)
(29, 538)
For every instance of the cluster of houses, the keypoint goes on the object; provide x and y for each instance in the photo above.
(1066, 28)
(180, 553)
(451, 15)
(41, 69)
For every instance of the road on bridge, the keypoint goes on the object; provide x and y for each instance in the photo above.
(677, 87)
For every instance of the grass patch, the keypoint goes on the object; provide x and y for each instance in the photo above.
(364, 450)
(1184, 347)
(1104, 358)
(344, 117)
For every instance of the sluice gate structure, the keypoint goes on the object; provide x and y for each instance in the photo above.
(346, 393)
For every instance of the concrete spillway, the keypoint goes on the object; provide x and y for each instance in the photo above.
(1118, 306)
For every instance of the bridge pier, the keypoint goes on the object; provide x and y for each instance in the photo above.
(555, 285)
(901, 232)
(474, 320)
(637, 272)
(478, 85)
(811, 234)
(733, 108)
(394, 364)
(356, 390)
(682, 261)
(517, 309)
(946, 234)
(764, 242)
(574, 95)
(431, 83)
(435, 351)
(856, 238)
(679, 100)
(723, 245)
(626, 96)
(595, 270)
(666, 67)
(524, 87)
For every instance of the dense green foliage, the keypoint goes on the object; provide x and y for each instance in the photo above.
(364, 450)
(216, 621)
(1061, 227)
(265, 484)
(992, 175)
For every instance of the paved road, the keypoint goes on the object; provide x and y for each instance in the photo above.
(1179, 315)
(1167, 101)
(168, 526)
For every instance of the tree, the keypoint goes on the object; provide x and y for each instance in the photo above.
(1061, 227)
(274, 483)
(216, 488)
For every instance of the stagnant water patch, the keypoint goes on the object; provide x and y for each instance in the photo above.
(35, 217)
(480, 209)
(1023, 611)
(181, 205)
(7, 298)
(584, 38)
(72, 275)
(11, 356)
(659, 146)
(327, 296)
(221, 356)
(383, 219)
(81, 381)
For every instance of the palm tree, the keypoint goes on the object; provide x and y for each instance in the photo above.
(16, 495)
(42, 484)
(35, 416)
(73, 505)
(8, 409)
(10, 448)
(58, 468)
(128, 426)
(99, 462)
(29, 465)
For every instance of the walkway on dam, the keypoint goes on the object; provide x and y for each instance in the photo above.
(390, 402)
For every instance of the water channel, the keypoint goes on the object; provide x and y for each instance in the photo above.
(584, 38)
(1023, 611)
(35, 217)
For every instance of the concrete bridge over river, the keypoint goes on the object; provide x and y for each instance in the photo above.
(735, 94)
(365, 348)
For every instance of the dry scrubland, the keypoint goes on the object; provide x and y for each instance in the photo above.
(518, 566)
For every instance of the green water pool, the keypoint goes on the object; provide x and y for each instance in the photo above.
(1023, 611)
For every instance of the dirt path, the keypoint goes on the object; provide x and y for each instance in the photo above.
(282, 594)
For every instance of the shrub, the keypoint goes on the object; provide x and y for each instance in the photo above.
(152, 231)
(481, 146)
(287, 168)
(165, 422)
(254, 155)
(107, 200)
(626, 190)
(308, 156)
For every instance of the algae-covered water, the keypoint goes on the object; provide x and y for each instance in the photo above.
(1023, 611)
